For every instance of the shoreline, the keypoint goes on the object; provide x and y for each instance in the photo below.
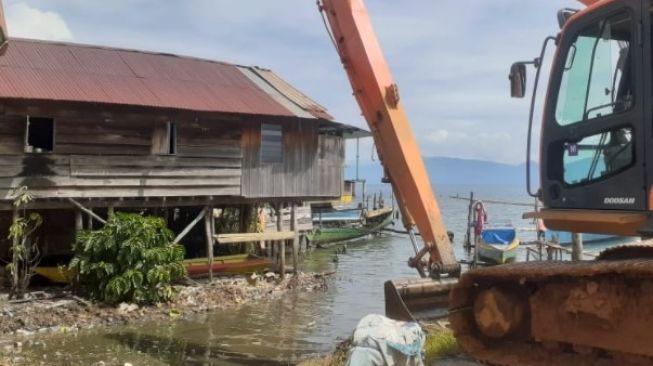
(61, 311)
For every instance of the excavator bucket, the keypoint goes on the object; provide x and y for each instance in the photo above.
(420, 299)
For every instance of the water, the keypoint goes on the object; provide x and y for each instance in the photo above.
(288, 330)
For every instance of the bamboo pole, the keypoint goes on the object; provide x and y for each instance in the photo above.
(295, 241)
(190, 226)
(208, 228)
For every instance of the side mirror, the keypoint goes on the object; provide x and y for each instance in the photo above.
(517, 80)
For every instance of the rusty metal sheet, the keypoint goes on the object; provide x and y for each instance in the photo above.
(40, 70)
(294, 95)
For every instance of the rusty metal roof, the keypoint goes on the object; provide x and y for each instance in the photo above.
(53, 71)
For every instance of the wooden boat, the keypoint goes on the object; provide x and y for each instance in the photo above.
(196, 267)
(59, 274)
(371, 222)
(497, 245)
(228, 265)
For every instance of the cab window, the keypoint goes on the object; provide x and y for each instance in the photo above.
(596, 78)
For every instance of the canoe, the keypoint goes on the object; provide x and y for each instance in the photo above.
(196, 267)
(498, 245)
(335, 234)
(199, 267)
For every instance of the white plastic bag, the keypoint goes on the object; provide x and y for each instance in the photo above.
(380, 341)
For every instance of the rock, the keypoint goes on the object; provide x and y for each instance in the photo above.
(18, 345)
(125, 308)
(99, 363)
(127, 364)
(24, 333)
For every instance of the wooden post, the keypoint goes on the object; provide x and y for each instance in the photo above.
(577, 249)
(79, 221)
(208, 228)
(470, 218)
(282, 244)
(295, 241)
(110, 211)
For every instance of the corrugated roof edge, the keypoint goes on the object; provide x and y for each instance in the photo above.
(112, 48)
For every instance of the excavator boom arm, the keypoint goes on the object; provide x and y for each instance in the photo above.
(378, 98)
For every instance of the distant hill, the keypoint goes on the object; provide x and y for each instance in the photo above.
(444, 170)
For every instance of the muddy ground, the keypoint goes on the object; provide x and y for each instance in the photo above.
(58, 310)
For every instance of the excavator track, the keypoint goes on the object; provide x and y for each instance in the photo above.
(558, 313)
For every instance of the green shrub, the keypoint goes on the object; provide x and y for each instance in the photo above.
(131, 259)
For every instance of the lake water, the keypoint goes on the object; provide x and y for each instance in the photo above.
(288, 330)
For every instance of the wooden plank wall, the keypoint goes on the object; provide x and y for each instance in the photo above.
(115, 159)
(311, 167)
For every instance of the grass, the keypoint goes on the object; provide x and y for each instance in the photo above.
(440, 344)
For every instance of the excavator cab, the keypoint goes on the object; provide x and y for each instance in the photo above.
(597, 119)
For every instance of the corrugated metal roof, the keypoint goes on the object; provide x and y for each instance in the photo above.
(40, 70)
(292, 94)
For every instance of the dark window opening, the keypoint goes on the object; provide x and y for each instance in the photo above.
(271, 143)
(40, 134)
(172, 138)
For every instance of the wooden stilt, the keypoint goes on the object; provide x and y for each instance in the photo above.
(79, 221)
(208, 227)
(282, 244)
(110, 211)
(577, 249)
(295, 241)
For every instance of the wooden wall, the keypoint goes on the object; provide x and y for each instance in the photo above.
(128, 157)
(312, 164)
(115, 158)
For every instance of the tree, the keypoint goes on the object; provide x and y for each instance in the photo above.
(25, 254)
(132, 258)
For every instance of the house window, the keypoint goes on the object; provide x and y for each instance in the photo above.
(271, 143)
(172, 138)
(39, 135)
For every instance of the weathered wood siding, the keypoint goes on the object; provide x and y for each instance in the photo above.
(115, 159)
(312, 163)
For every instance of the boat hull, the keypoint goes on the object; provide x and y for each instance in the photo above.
(333, 235)
(497, 254)
(196, 268)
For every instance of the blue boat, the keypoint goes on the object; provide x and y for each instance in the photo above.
(497, 245)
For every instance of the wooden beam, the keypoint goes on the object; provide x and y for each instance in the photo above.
(253, 237)
(208, 229)
(190, 226)
(89, 212)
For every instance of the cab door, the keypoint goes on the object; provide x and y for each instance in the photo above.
(592, 148)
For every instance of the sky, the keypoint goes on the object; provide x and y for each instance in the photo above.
(450, 58)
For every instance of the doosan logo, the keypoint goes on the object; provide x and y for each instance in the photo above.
(619, 200)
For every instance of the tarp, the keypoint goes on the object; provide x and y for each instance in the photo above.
(379, 341)
(498, 235)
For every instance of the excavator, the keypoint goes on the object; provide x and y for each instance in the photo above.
(594, 178)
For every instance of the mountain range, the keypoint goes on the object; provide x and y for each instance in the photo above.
(444, 170)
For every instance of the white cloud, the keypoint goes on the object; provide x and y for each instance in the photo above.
(29, 22)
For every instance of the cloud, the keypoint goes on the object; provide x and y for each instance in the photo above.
(26, 21)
